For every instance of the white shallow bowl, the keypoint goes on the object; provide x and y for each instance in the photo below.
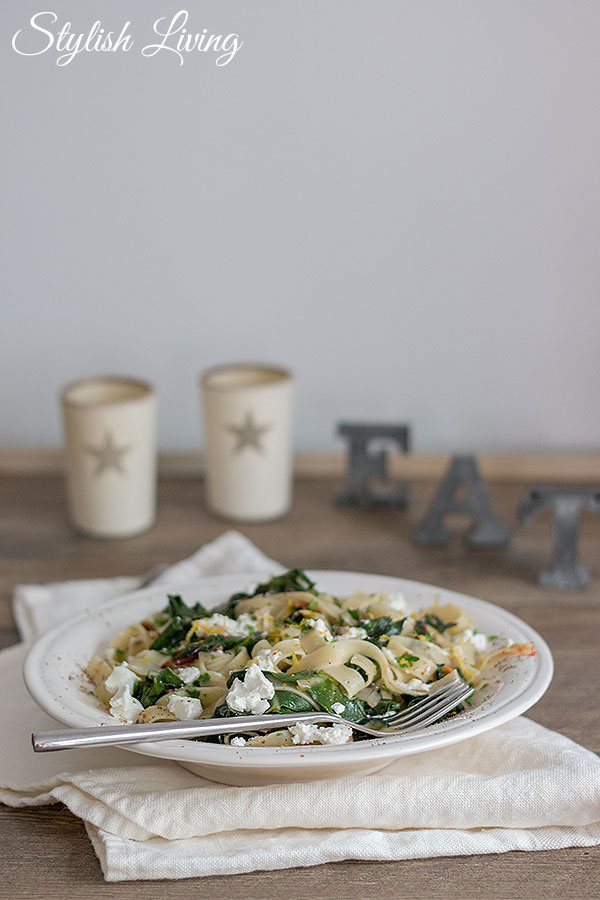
(54, 675)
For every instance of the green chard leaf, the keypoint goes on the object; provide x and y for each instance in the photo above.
(325, 691)
(172, 636)
(155, 685)
(382, 625)
(437, 623)
(177, 607)
(290, 701)
(181, 616)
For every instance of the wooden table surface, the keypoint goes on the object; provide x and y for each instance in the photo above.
(45, 851)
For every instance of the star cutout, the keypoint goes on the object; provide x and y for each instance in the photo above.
(108, 456)
(248, 434)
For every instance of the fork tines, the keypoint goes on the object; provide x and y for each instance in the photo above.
(432, 707)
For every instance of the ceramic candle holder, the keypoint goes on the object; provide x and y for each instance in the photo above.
(248, 441)
(110, 426)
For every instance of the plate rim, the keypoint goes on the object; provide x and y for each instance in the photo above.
(280, 757)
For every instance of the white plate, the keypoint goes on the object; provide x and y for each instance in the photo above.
(54, 667)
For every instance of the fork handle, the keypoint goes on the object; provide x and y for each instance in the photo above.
(105, 735)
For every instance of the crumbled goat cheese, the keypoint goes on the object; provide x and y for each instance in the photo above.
(120, 677)
(349, 632)
(478, 640)
(237, 742)
(338, 708)
(248, 623)
(304, 733)
(251, 695)
(125, 706)
(184, 707)
(417, 686)
(219, 624)
(266, 660)
(188, 674)
(396, 601)
(120, 683)
(321, 627)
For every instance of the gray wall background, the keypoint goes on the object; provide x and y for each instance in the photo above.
(399, 200)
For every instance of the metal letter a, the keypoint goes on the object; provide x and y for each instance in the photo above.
(486, 531)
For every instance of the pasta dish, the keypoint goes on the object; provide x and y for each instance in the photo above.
(283, 647)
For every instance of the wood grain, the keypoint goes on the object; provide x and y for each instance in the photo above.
(573, 468)
(45, 851)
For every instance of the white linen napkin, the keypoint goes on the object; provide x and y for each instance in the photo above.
(37, 607)
(519, 786)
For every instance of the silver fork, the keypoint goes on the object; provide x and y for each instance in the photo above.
(424, 712)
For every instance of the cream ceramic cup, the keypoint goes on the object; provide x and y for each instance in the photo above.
(110, 434)
(248, 441)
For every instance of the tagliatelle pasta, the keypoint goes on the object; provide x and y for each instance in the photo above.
(284, 646)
